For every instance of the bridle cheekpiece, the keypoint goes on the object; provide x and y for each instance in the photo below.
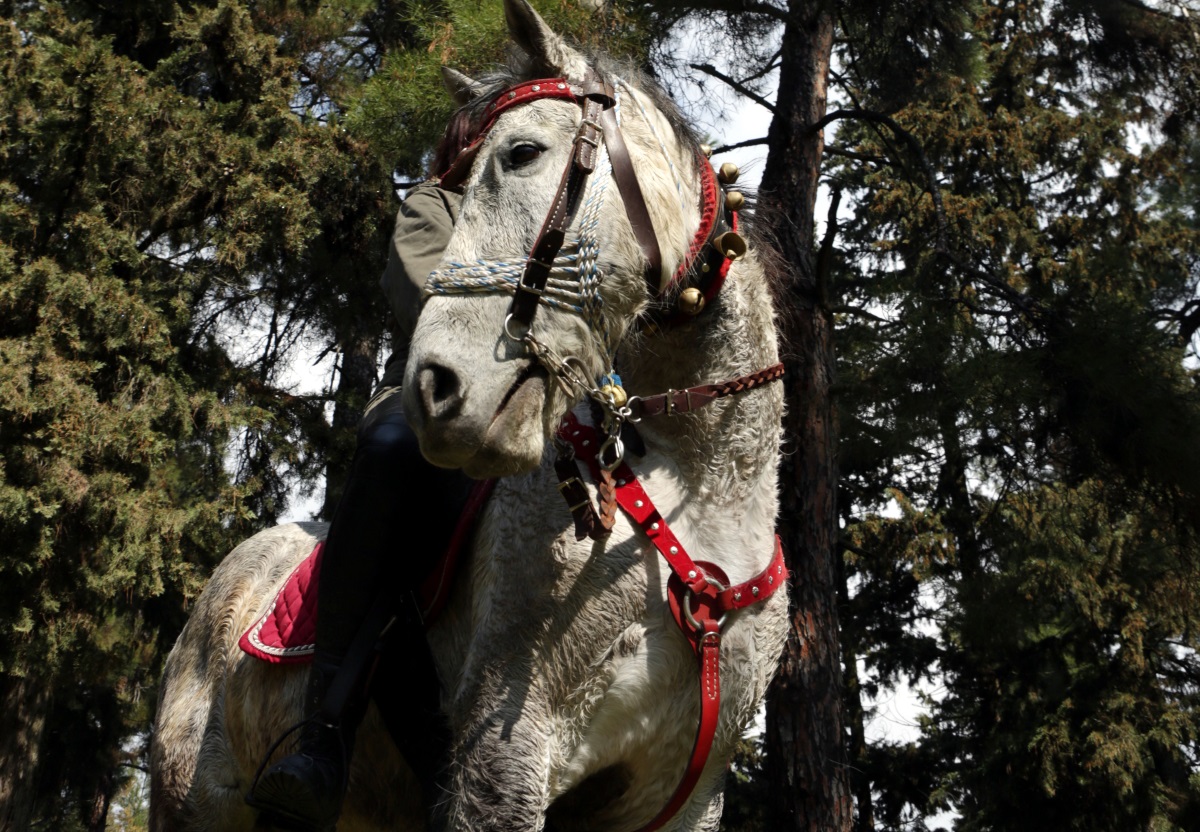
(690, 289)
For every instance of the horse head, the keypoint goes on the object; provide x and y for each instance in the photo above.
(488, 380)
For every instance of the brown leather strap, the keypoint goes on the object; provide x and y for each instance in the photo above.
(579, 502)
(635, 202)
(607, 489)
(693, 398)
(550, 239)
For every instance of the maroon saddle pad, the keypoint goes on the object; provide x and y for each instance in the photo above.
(287, 632)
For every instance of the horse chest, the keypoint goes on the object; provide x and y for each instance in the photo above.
(581, 630)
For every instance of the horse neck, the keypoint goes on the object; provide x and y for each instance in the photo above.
(729, 448)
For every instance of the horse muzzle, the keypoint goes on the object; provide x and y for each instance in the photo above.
(484, 416)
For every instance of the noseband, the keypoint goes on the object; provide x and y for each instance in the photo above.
(715, 245)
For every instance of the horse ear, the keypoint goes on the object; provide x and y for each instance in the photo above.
(548, 53)
(462, 88)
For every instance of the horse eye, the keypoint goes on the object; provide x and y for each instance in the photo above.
(523, 154)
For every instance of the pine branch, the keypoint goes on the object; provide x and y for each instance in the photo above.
(825, 253)
(748, 143)
(913, 145)
(941, 246)
(709, 69)
(850, 154)
(858, 311)
(744, 7)
(772, 64)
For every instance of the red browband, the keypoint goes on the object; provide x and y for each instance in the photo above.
(703, 265)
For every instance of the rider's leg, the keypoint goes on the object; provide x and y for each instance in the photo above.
(391, 525)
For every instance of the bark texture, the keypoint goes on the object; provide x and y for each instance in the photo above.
(22, 723)
(809, 786)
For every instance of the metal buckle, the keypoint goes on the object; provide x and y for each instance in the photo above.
(687, 605)
(618, 452)
(672, 410)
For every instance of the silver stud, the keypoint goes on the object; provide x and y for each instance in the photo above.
(754, 591)
(674, 550)
(512, 95)
(576, 433)
(535, 88)
(654, 526)
(737, 596)
(692, 574)
(586, 442)
(770, 579)
(562, 86)
(638, 503)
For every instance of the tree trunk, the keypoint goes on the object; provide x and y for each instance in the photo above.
(22, 724)
(355, 383)
(95, 812)
(809, 783)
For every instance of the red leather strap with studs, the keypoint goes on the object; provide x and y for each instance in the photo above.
(456, 175)
(698, 594)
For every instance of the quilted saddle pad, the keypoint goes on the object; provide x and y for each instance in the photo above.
(287, 632)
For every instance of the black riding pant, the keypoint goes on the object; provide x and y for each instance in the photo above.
(394, 520)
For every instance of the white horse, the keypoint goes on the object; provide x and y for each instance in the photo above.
(572, 692)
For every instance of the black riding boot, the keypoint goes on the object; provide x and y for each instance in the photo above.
(369, 555)
(305, 790)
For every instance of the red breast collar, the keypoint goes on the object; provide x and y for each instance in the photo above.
(698, 594)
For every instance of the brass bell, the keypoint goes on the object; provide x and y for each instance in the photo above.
(691, 301)
(731, 245)
(615, 393)
(728, 173)
(734, 200)
(706, 149)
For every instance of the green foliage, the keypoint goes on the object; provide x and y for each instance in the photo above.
(1020, 423)
(745, 790)
(192, 195)
(147, 209)
(403, 110)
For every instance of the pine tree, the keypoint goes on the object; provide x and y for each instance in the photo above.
(189, 194)
(157, 188)
(1015, 290)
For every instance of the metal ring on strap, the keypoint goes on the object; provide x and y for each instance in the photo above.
(687, 606)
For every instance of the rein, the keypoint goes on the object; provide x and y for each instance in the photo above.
(562, 273)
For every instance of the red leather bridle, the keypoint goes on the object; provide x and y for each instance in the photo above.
(698, 593)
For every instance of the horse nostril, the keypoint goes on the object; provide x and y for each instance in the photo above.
(441, 391)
